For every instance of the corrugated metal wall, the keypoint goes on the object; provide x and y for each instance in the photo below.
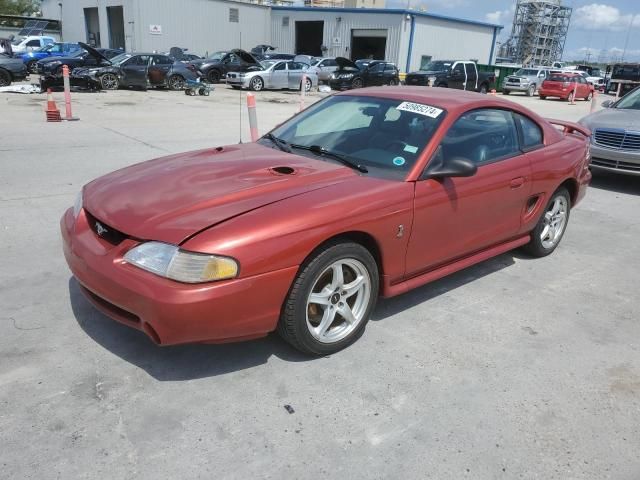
(338, 27)
(199, 25)
(444, 39)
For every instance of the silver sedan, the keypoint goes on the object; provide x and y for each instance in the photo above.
(615, 141)
(275, 75)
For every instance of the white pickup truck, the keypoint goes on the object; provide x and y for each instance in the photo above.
(28, 44)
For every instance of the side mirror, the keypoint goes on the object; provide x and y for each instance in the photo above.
(453, 167)
(607, 103)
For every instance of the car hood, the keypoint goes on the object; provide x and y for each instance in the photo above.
(170, 199)
(95, 53)
(626, 119)
(344, 63)
(245, 56)
(44, 61)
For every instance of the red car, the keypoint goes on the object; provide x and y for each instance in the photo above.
(566, 86)
(366, 193)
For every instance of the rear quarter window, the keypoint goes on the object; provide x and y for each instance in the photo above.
(531, 132)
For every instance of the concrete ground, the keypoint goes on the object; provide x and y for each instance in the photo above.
(512, 369)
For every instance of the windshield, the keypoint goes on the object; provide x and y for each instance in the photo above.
(384, 135)
(77, 54)
(217, 55)
(436, 66)
(527, 72)
(118, 59)
(630, 101)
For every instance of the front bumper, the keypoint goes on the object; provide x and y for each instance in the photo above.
(170, 312)
(238, 81)
(516, 87)
(613, 160)
(340, 83)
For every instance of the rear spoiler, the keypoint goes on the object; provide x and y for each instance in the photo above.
(570, 127)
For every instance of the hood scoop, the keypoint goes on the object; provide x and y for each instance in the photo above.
(283, 170)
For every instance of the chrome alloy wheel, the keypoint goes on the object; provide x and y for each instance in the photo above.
(109, 81)
(338, 300)
(555, 221)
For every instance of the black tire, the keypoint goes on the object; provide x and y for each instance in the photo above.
(293, 327)
(531, 91)
(442, 85)
(176, 82)
(256, 84)
(307, 86)
(31, 66)
(213, 76)
(357, 83)
(5, 78)
(393, 82)
(543, 97)
(536, 247)
(484, 88)
(506, 92)
(588, 97)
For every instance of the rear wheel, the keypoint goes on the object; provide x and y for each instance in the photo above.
(571, 97)
(543, 97)
(549, 230)
(307, 85)
(393, 82)
(506, 92)
(109, 81)
(5, 78)
(330, 300)
(176, 82)
(588, 98)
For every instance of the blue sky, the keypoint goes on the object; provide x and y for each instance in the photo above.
(599, 28)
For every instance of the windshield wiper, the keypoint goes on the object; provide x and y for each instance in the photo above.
(281, 144)
(318, 150)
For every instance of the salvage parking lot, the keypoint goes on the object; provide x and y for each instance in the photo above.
(514, 368)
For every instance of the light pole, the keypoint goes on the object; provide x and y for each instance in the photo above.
(61, 35)
(626, 42)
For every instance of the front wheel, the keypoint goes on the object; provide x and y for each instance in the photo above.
(256, 84)
(176, 82)
(5, 78)
(506, 92)
(543, 97)
(330, 300)
(109, 81)
(484, 89)
(31, 66)
(531, 91)
(549, 230)
(357, 83)
(213, 76)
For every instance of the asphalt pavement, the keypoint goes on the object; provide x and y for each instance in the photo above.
(513, 369)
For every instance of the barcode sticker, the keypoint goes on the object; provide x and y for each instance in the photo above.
(420, 109)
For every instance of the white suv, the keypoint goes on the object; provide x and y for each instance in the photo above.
(31, 43)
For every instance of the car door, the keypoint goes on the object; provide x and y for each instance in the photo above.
(134, 71)
(472, 76)
(296, 70)
(457, 76)
(279, 76)
(159, 69)
(374, 74)
(455, 217)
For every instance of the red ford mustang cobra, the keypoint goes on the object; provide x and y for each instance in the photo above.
(371, 192)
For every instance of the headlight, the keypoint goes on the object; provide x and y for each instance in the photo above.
(77, 205)
(189, 267)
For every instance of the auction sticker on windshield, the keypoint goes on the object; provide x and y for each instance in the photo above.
(426, 110)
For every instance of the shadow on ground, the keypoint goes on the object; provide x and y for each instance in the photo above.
(187, 362)
(615, 182)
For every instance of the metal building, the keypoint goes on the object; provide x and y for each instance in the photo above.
(147, 25)
(406, 37)
(539, 32)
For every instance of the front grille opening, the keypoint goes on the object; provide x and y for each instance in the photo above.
(104, 231)
(120, 312)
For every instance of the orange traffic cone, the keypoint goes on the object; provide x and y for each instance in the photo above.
(52, 112)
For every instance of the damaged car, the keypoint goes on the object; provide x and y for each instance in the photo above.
(275, 75)
(216, 66)
(11, 70)
(375, 73)
(139, 70)
(87, 57)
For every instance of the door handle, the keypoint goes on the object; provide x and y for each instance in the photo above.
(517, 182)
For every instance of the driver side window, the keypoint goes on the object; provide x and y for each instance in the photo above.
(482, 136)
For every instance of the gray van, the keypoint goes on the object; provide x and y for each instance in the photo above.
(526, 80)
